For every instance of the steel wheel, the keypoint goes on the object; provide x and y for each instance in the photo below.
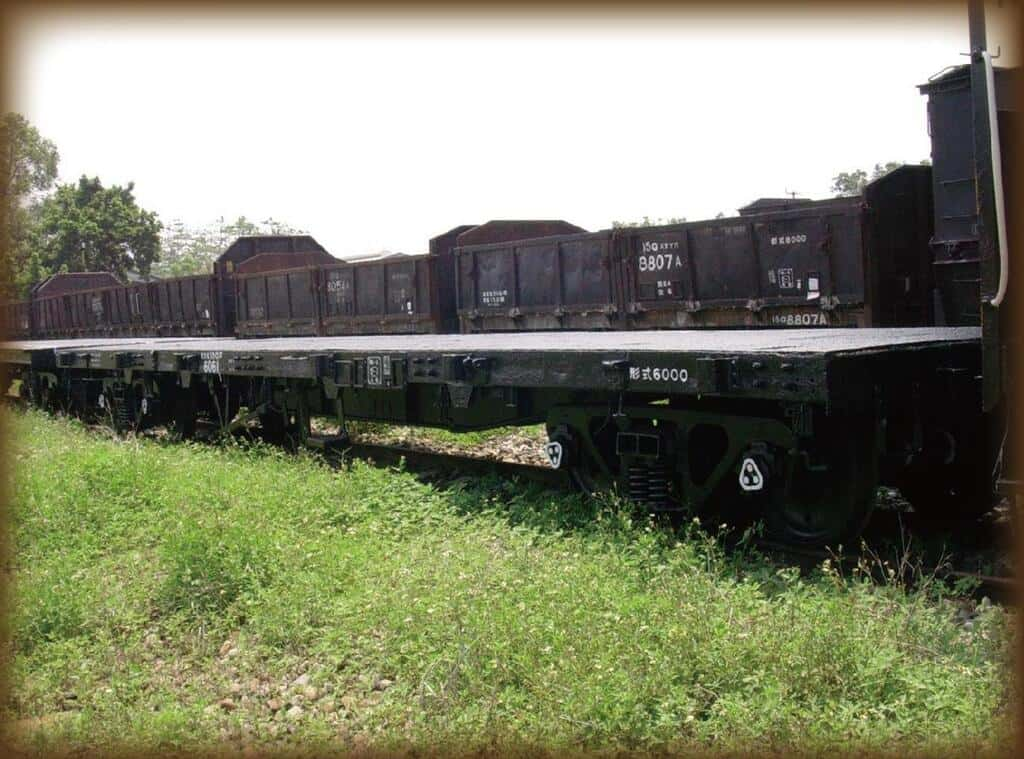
(827, 504)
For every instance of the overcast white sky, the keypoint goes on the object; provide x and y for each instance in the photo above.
(380, 133)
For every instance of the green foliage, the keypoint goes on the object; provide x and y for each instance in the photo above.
(28, 162)
(73, 227)
(849, 183)
(189, 250)
(154, 580)
(28, 167)
(208, 568)
(89, 227)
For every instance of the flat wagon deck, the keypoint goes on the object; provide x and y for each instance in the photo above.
(678, 419)
(783, 363)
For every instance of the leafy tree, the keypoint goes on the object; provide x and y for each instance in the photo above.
(849, 183)
(28, 162)
(649, 222)
(89, 227)
(28, 168)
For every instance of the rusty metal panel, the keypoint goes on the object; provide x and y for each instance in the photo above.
(301, 294)
(141, 305)
(205, 297)
(338, 291)
(80, 313)
(55, 315)
(282, 302)
(689, 275)
(115, 321)
(278, 307)
(797, 254)
(390, 296)
(178, 306)
(444, 275)
(162, 298)
(531, 274)
(369, 290)
(252, 299)
(177, 314)
(21, 319)
(726, 272)
(95, 310)
(188, 301)
(17, 320)
(400, 278)
(44, 317)
(662, 268)
(587, 272)
(565, 282)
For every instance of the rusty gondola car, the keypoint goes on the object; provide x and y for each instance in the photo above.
(848, 262)
(392, 294)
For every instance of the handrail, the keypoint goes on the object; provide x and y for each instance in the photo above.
(997, 181)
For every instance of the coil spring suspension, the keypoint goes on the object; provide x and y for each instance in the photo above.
(649, 485)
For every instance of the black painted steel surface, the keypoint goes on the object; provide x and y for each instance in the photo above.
(808, 341)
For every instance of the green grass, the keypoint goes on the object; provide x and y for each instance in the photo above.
(153, 581)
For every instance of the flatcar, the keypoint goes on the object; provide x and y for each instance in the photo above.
(798, 426)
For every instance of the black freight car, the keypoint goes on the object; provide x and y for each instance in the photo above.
(849, 262)
(184, 306)
(392, 295)
(955, 244)
(561, 282)
(395, 294)
(389, 295)
(97, 304)
(69, 305)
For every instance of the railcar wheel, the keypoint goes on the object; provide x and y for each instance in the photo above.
(284, 428)
(567, 451)
(825, 504)
(184, 414)
(950, 480)
(274, 427)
